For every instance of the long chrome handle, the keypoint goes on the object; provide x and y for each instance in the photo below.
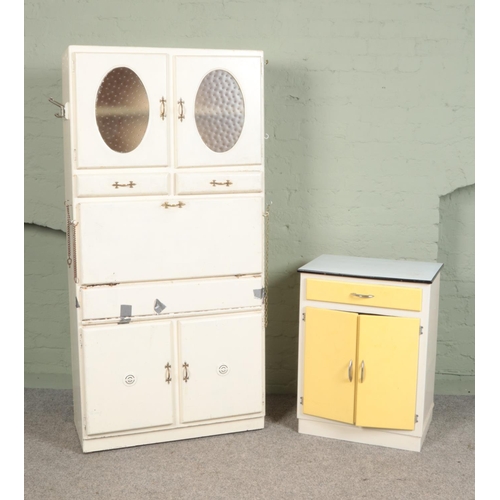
(215, 183)
(181, 110)
(362, 377)
(362, 296)
(69, 260)
(349, 371)
(176, 205)
(131, 184)
(163, 112)
(185, 366)
(168, 378)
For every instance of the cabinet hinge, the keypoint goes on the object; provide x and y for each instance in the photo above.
(81, 340)
(85, 424)
(421, 330)
(301, 400)
(303, 316)
(416, 418)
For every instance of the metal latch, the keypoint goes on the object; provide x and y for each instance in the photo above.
(64, 109)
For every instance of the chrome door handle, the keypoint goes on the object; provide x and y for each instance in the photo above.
(215, 183)
(181, 109)
(362, 377)
(175, 205)
(362, 296)
(163, 112)
(349, 371)
(131, 184)
(185, 367)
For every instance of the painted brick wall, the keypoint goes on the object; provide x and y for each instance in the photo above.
(456, 353)
(370, 113)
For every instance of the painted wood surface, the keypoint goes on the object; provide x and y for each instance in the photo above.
(121, 184)
(387, 364)
(371, 295)
(218, 182)
(90, 149)
(122, 241)
(190, 149)
(125, 376)
(224, 372)
(414, 361)
(330, 364)
(183, 296)
(155, 277)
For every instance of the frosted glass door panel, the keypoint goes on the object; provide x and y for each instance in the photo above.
(218, 118)
(121, 110)
(124, 241)
(221, 367)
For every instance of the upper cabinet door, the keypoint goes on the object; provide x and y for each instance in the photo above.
(218, 103)
(121, 110)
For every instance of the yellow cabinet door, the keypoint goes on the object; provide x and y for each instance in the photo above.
(387, 372)
(329, 364)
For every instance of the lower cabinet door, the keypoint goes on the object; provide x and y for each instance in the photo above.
(329, 364)
(387, 372)
(128, 376)
(221, 366)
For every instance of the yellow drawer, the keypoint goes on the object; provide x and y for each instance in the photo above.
(391, 297)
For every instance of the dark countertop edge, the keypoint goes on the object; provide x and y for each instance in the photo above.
(300, 270)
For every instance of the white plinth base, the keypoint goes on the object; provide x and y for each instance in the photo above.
(113, 442)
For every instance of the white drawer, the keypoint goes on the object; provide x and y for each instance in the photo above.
(219, 182)
(139, 299)
(120, 184)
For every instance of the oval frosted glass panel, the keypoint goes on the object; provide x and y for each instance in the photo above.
(122, 110)
(219, 111)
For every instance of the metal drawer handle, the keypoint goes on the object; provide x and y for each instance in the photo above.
(131, 184)
(168, 378)
(176, 205)
(227, 183)
(185, 366)
(361, 296)
(163, 113)
(362, 371)
(181, 110)
(349, 371)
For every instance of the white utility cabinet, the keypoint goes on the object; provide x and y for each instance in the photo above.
(164, 183)
(367, 349)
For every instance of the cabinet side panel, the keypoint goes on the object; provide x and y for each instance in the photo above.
(68, 126)
(430, 374)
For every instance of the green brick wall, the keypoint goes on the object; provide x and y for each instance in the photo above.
(370, 112)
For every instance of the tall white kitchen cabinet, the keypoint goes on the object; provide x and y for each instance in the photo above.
(164, 183)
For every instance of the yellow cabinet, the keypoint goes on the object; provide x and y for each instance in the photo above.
(367, 350)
